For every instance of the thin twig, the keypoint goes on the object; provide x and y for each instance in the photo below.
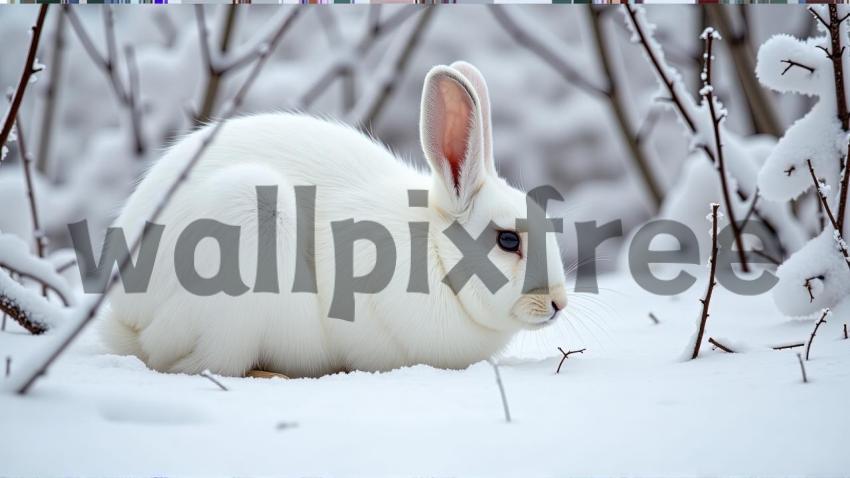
(761, 107)
(127, 95)
(505, 407)
(845, 331)
(214, 74)
(792, 63)
(706, 301)
(808, 285)
(654, 318)
(819, 190)
(209, 376)
(29, 69)
(343, 66)
(566, 355)
(8, 365)
(26, 163)
(367, 114)
(54, 81)
(722, 347)
(822, 320)
(88, 313)
(802, 368)
(789, 346)
(708, 96)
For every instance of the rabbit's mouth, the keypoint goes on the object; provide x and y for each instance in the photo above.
(535, 312)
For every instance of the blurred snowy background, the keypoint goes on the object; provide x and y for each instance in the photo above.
(548, 130)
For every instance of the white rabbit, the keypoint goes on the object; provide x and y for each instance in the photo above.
(357, 178)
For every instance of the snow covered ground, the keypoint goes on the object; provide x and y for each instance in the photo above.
(628, 405)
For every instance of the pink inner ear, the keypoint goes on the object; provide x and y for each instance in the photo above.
(457, 110)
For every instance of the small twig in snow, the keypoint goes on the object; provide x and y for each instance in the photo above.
(654, 318)
(789, 346)
(822, 320)
(808, 285)
(845, 332)
(706, 301)
(792, 63)
(29, 69)
(48, 115)
(722, 347)
(501, 390)
(566, 355)
(8, 365)
(209, 376)
(802, 368)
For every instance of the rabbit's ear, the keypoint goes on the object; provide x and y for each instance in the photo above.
(452, 134)
(476, 79)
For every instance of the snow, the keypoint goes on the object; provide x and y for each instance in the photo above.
(15, 254)
(625, 406)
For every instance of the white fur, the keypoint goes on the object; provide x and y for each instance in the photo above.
(175, 331)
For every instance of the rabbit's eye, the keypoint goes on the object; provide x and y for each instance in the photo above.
(509, 241)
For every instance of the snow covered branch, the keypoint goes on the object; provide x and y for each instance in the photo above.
(221, 62)
(81, 316)
(717, 116)
(546, 49)
(706, 300)
(821, 189)
(31, 67)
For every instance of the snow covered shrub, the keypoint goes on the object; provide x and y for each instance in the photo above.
(812, 153)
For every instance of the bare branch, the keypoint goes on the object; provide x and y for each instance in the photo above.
(808, 285)
(524, 37)
(761, 107)
(618, 106)
(706, 301)
(29, 69)
(127, 95)
(371, 106)
(822, 320)
(342, 67)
